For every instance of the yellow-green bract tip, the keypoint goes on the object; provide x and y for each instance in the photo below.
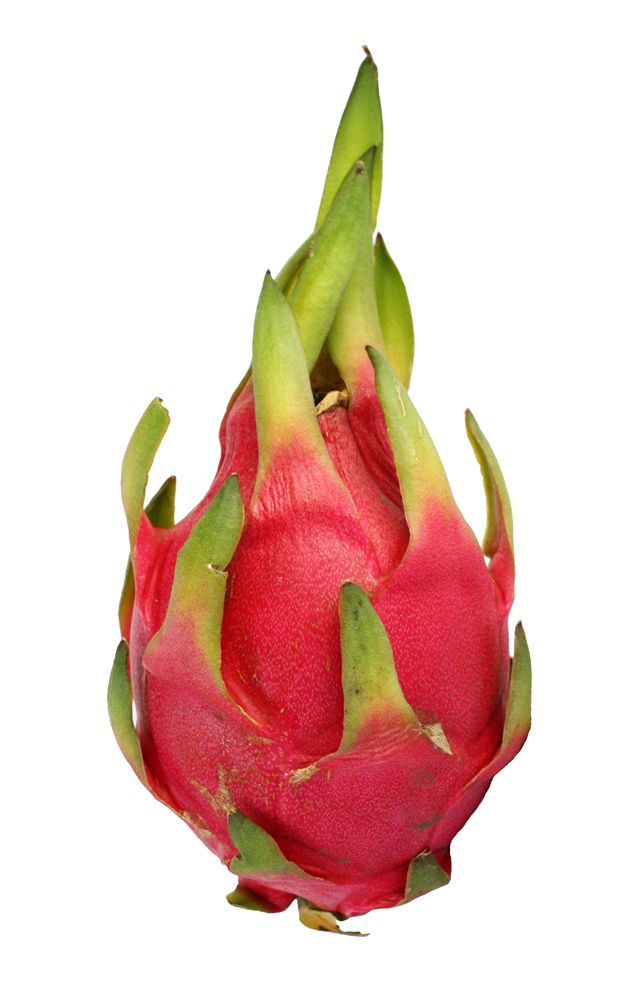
(120, 706)
(519, 706)
(369, 677)
(356, 322)
(360, 128)
(284, 406)
(138, 458)
(198, 589)
(498, 508)
(316, 281)
(518, 710)
(424, 875)
(420, 471)
(395, 316)
(258, 852)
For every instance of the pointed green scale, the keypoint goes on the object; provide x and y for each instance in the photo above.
(519, 704)
(360, 128)
(420, 471)
(258, 852)
(125, 605)
(369, 678)
(213, 539)
(424, 875)
(316, 275)
(394, 312)
(284, 406)
(316, 284)
(356, 323)
(518, 709)
(120, 706)
(498, 509)
(160, 513)
(160, 509)
(198, 589)
(246, 899)
(138, 458)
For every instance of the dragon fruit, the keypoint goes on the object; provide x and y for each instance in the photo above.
(314, 671)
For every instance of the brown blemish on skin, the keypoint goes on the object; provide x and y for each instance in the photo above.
(220, 800)
(302, 774)
(196, 824)
(423, 778)
(425, 824)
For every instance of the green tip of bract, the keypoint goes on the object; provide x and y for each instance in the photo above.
(356, 322)
(138, 458)
(284, 406)
(395, 316)
(120, 706)
(258, 852)
(200, 580)
(246, 899)
(519, 705)
(213, 539)
(360, 128)
(518, 709)
(369, 678)
(160, 509)
(259, 856)
(422, 478)
(424, 875)
(498, 509)
(315, 279)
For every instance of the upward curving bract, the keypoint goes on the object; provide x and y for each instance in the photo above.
(314, 670)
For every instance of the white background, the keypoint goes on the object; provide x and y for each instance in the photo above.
(156, 159)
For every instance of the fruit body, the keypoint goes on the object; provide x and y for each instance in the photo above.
(318, 653)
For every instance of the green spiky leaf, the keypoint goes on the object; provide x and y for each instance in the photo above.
(498, 509)
(284, 407)
(138, 458)
(316, 275)
(198, 589)
(258, 852)
(519, 704)
(369, 679)
(120, 706)
(360, 128)
(160, 509)
(356, 323)
(422, 478)
(316, 287)
(518, 709)
(213, 539)
(394, 312)
(246, 899)
(424, 875)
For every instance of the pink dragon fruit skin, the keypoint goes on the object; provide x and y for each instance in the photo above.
(318, 653)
